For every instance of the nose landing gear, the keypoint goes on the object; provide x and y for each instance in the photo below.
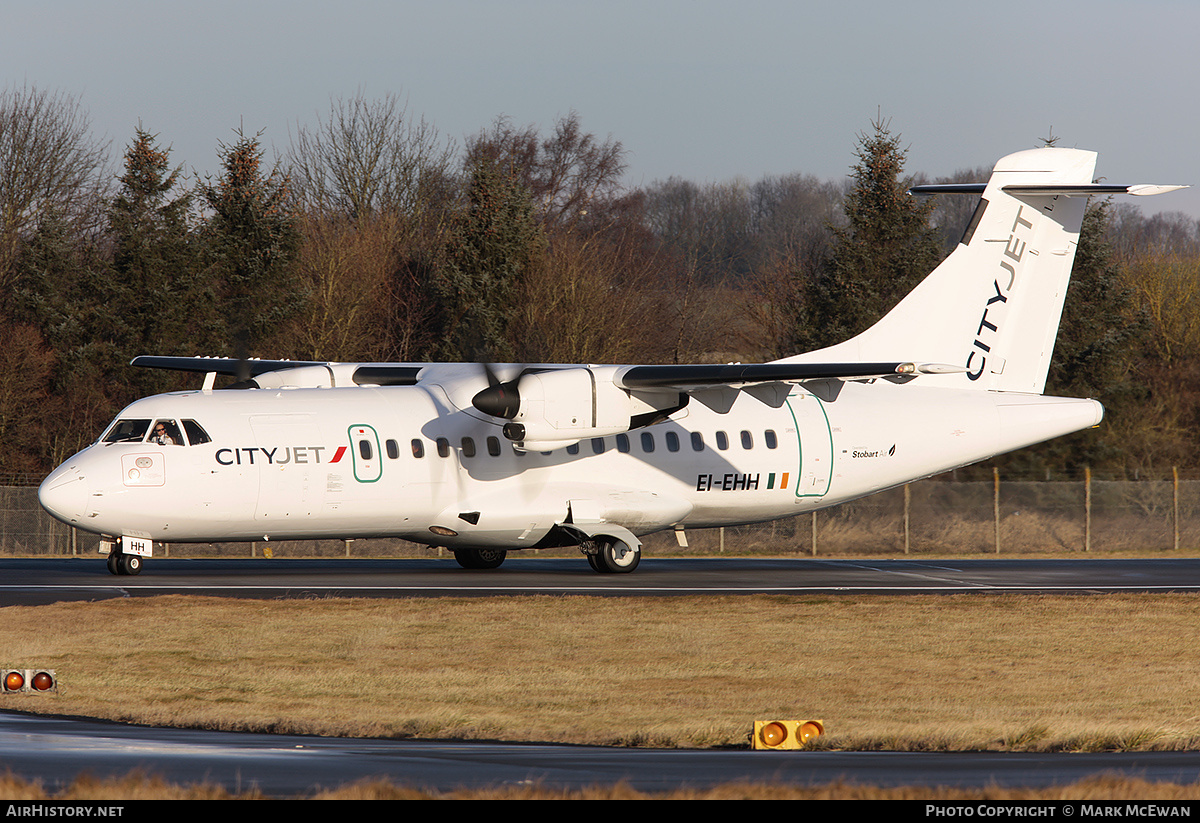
(121, 563)
(124, 563)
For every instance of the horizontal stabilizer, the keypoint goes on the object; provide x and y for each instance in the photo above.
(1141, 189)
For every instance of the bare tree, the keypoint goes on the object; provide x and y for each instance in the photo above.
(370, 157)
(791, 218)
(708, 228)
(49, 164)
(573, 177)
(363, 301)
(952, 212)
(587, 303)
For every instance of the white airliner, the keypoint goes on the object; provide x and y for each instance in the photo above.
(485, 461)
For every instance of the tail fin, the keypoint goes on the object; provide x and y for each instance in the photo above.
(993, 306)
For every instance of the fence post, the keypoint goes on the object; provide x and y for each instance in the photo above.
(996, 503)
(907, 502)
(1087, 508)
(1175, 505)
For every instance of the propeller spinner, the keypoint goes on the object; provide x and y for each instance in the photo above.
(499, 399)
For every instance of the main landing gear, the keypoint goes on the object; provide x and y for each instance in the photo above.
(480, 558)
(613, 556)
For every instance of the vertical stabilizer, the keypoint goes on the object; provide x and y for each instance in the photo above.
(993, 306)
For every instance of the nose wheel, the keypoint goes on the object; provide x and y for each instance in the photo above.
(119, 563)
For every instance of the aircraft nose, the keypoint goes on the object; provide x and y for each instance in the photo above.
(64, 494)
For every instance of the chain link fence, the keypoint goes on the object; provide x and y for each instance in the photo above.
(926, 517)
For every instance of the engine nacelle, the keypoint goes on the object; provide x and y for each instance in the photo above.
(564, 406)
(302, 377)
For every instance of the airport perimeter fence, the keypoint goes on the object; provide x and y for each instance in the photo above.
(936, 516)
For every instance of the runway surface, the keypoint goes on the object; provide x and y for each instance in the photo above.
(56, 750)
(32, 581)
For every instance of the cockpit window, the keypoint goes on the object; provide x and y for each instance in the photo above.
(195, 433)
(127, 431)
(166, 433)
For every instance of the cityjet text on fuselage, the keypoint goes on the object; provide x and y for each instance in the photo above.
(277, 456)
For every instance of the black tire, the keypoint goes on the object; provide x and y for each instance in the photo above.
(617, 556)
(480, 558)
(113, 563)
(594, 562)
(130, 564)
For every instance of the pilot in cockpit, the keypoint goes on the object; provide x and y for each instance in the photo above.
(164, 437)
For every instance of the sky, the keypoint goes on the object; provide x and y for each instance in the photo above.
(707, 90)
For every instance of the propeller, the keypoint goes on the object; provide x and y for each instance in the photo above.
(500, 398)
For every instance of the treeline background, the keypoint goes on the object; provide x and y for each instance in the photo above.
(373, 237)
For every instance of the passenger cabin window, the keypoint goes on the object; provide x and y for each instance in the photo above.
(393, 449)
(468, 447)
(722, 441)
(573, 448)
(364, 449)
(697, 442)
(418, 448)
(672, 441)
(769, 437)
(597, 445)
(493, 444)
(647, 442)
(443, 447)
(623, 443)
(747, 440)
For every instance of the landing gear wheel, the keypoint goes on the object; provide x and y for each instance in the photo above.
(480, 558)
(617, 557)
(130, 564)
(594, 562)
(113, 563)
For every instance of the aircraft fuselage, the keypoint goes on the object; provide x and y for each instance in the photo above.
(407, 462)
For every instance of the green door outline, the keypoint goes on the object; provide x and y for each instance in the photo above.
(367, 469)
(815, 445)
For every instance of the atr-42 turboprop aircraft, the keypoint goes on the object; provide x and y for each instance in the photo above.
(487, 460)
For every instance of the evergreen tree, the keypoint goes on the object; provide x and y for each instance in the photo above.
(62, 291)
(156, 278)
(252, 240)
(1100, 336)
(887, 247)
(497, 242)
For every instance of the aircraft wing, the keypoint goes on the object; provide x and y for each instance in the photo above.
(328, 373)
(231, 366)
(690, 377)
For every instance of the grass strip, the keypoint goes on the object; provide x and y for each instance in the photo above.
(969, 672)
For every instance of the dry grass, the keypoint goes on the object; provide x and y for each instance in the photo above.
(912, 673)
(142, 787)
